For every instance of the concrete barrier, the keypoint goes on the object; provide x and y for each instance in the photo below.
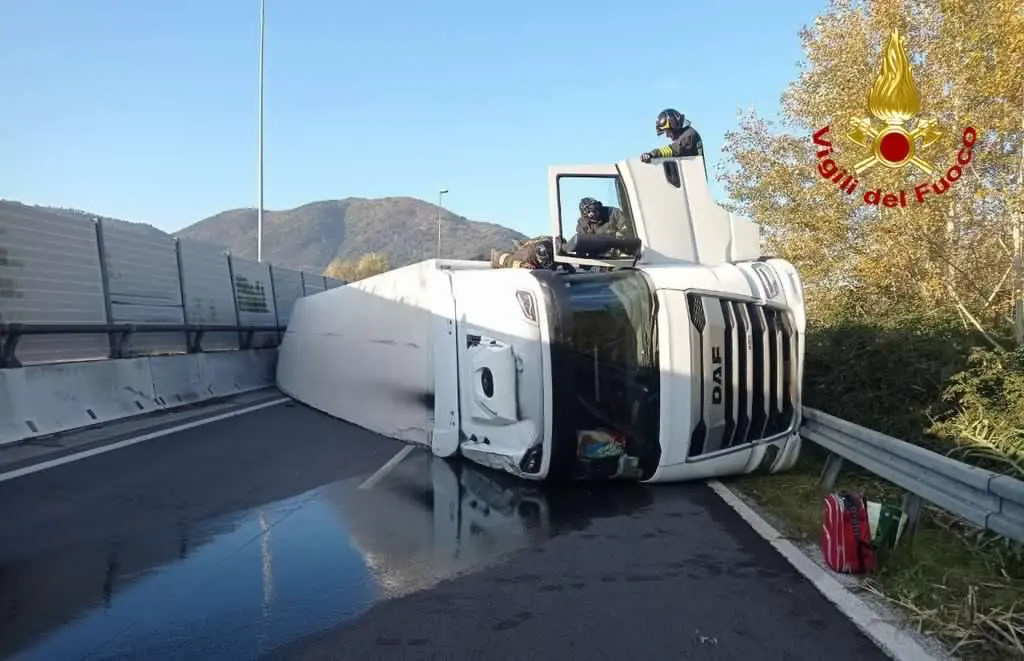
(225, 373)
(40, 400)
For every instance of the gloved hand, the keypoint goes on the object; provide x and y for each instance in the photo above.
(645, 157)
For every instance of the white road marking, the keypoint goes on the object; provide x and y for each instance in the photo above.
(92, 452)
(898, 644)
(387, 468)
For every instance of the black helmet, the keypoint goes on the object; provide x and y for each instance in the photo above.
(542, 256)
(670, 122)
(590, 208)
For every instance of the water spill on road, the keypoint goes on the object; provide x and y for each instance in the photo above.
(239, 586)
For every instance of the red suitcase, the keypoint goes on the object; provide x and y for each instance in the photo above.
(846, 535)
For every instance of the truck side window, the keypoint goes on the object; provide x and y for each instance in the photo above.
(608, 190)
(672, 174)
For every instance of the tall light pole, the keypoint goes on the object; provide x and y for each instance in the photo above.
(440, 202)
(259, 185)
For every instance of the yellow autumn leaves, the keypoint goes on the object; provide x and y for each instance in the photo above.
(959, 252)
(366, 266)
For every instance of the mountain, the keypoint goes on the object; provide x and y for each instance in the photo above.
(309, 237)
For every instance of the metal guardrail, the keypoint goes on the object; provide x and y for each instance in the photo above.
(986, 499)
(120, 335)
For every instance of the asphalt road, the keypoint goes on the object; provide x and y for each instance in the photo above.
(250, 538)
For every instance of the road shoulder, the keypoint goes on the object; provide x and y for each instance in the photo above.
(888, 628)
(17, 458)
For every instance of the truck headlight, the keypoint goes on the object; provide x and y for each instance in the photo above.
(769, 279)
(528, 304)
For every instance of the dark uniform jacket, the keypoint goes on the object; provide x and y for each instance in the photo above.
(613, 223)
(687, 144)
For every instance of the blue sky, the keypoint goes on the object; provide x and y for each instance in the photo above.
(146, 110)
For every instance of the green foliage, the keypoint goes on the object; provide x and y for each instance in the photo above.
(986, 421)
(886, 373)
(923, 378)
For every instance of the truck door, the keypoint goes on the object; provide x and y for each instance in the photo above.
(677, 217)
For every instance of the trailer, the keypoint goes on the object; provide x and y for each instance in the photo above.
(673, 354)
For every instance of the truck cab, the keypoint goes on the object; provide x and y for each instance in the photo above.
(671, 354)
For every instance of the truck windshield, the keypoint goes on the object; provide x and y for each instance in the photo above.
(605, 377)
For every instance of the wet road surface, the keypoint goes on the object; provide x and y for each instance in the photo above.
(250, 538)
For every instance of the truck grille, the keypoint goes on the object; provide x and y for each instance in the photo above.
(744, 368)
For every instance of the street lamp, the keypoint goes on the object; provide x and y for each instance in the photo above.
(259, 185)
(440, 202)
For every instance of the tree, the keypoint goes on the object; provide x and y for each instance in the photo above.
(368, 265)
(959, 251)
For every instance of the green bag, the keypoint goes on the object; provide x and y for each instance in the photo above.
(887, 524)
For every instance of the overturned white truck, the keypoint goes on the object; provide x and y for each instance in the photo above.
(681, 358)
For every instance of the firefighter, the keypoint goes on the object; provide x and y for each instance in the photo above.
(596, 218)
(539, 252)
(535, 253)
(684, 139)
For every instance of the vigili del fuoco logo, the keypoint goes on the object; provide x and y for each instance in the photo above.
(893, 135)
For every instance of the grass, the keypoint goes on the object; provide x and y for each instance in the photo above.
(964, 586)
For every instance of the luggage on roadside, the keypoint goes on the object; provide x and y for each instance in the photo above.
(846, 534)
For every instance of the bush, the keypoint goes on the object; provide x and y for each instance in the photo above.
(888, 374)
(367, 266)
(986, 420)
(922, 378)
